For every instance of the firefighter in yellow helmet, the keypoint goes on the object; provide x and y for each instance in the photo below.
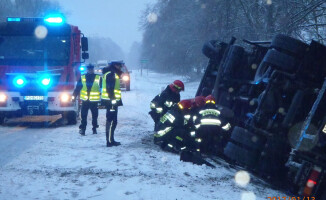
(88, 89)
(111, 98)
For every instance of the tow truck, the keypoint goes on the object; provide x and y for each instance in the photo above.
(39, 65)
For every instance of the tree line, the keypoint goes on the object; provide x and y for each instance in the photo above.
(175, 30)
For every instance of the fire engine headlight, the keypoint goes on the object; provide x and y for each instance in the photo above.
(125, 78)
(3, 98)
(65, 98)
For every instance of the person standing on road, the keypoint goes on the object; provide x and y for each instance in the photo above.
(111, 98)
(164, 101)
(88, 88)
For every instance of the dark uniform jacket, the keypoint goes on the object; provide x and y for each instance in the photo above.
(110, 82)
(163, 102)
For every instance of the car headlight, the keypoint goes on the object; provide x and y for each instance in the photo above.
(125, 78)
(3, 97)
(65, 98)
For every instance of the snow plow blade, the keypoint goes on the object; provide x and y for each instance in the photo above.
(47, 119)
(188, 156)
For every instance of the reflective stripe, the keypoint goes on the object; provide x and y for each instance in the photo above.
(210, 122)
(110, 131)
(187, 117)
(194, 118)
(198, 140)
(183, 148)
(170, 117)
(179, 138)
(226, 127)
(165, 131)
(159, 110)
(210, 112)
(197, 126)
(152, 105)
(170, 145)
(193, 133)
(168, 103)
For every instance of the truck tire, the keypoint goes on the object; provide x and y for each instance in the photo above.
(71, 117)
(277, 60)
(285, 43)
(209, 50)
(241, 155)
(280, 60)
(247, 138)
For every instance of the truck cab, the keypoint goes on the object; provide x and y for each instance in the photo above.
(39, 66)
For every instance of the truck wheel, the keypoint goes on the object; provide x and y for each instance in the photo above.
(71, 117)
(128, 87)
(247, 138)
(241, 155)
(280, 60)
(288, 44)
(276, 59)
(209, 50)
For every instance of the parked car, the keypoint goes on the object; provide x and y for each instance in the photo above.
(125, 78)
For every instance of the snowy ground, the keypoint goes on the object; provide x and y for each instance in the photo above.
(58, 163)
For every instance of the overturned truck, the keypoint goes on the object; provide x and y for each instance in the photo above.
(276, 90)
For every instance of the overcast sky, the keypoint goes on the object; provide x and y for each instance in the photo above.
(117, 19)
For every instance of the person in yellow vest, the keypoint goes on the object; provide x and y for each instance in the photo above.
(111, 98)
(88, 89)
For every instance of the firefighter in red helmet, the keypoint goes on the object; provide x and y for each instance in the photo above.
(164, 101)
(171, 128)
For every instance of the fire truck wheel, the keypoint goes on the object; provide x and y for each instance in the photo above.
(247, 138)
(289, 45)
(71, 117)
(241, 155)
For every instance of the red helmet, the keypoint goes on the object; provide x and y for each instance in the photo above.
(185, 104)
(199, 101)
(210, 99)
(177, 86)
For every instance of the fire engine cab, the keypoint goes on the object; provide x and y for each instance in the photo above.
(39, 65)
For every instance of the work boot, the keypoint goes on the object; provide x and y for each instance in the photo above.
(115, 143)
(108, 144)
(82, 132)
(94, 131)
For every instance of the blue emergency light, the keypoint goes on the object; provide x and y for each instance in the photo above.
(19, 81)
(13, 19)
(45, 81)
(54, 20)
(82, 68)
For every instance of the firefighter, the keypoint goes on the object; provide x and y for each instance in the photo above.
(164, 101)
(211, 124)
(111, 97)
(88, 89)
(172, 132)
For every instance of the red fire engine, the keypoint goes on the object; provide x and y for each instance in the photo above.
(39, 66)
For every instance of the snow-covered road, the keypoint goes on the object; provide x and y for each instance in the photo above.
(58, 163)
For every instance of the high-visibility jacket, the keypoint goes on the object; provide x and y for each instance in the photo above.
(117, 90)
(94, 94)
